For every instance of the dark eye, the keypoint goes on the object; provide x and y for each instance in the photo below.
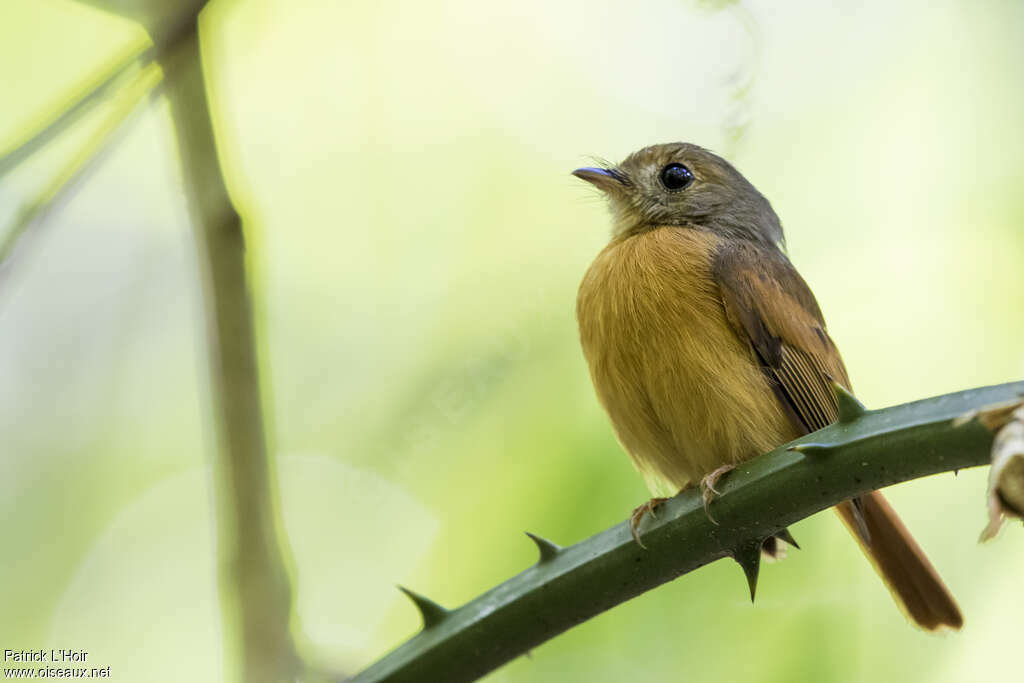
(676, 177)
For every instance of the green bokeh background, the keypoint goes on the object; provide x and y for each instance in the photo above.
(416, 243)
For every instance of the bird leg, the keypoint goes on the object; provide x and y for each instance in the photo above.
(708, 490)
(638, 514)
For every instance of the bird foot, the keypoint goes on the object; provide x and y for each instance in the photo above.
(639, 513)
(708, 490)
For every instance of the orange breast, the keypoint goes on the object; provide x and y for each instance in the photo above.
(684, 392)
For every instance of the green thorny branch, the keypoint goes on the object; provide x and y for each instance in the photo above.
(864, 450)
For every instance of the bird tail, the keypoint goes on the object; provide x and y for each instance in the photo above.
(903, 566)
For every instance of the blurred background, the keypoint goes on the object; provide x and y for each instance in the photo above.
(416, 242)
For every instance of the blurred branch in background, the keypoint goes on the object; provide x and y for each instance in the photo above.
(863, 451)
(256, 591)
(742, 80)
(107, 82)
(135, 88)
(256, 588)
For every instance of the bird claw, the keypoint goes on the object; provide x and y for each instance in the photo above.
(638, 514)
(708, 490)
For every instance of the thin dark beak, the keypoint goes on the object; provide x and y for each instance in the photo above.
(605, 179)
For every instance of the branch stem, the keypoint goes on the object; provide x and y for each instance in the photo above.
(255, 586)
(870, 451)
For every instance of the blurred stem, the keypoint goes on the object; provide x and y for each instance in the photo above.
(77, 104)
(862, 452)
(255, 586)
(742, 81)
(125, 104)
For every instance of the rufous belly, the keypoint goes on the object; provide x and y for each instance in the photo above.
(684, 392)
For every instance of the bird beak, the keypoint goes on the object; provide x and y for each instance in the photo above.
(605, 179)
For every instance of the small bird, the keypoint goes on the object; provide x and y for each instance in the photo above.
(706, 347)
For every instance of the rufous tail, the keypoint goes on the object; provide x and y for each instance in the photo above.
(910, 577)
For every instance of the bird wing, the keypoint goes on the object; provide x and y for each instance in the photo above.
(768, 303)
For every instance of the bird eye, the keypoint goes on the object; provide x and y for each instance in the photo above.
(676, 177)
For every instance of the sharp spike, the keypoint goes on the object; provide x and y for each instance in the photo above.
(811, 448)
(748, 557)
(548, 550)
(788, 538)
(431, 612)
(850, 409)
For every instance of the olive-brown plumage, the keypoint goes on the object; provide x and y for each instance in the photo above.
(707, 348)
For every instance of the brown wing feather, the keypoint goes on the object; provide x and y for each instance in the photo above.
(768, 303)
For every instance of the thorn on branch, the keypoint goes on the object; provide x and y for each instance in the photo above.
(432, 613)
(748, 557)
(850, 408)
(548, 550)
(788, 538)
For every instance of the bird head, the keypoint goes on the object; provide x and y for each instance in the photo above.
(680, 184)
